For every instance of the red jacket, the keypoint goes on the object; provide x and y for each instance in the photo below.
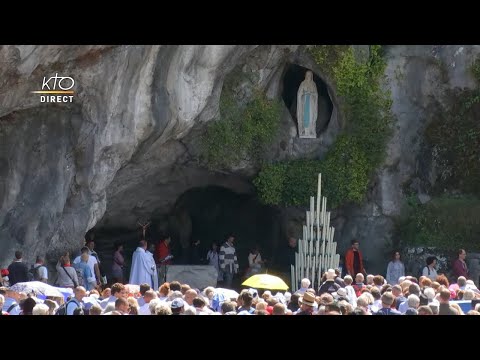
(349, 262)
(161, 252)
(459, 269)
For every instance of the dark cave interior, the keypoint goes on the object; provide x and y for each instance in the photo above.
(207, 214)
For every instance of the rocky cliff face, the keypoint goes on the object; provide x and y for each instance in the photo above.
(418, 77)
(127, 146)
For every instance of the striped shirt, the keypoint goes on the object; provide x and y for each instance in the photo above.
(228, 258)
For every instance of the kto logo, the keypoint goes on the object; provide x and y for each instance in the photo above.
(61, 86)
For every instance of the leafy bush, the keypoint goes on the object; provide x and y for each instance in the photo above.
(241, 133)
(446, 222)
(454, 135)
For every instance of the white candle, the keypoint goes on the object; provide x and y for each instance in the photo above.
(329, 249)
(332, 255)
(320, 267)
(319, 191)
(312, 207)
(307, 226)
(322, 214)
(292, 278)
(324, 209)
(296, 275)
(327, 255)
(302, 269)
(308, 267)
(313, 272)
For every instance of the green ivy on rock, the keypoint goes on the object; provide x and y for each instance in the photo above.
(454, 134)
(241, 133)
(450, 222)
(446, 222)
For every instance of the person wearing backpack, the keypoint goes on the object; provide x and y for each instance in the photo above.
(84, 273)
(11, 303)
(2, 300)
(101, 276)
(255, 262)
(429, 270)
(92, 263)
(39, 271)
(74, 303)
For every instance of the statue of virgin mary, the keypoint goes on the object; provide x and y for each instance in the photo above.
(307, 107)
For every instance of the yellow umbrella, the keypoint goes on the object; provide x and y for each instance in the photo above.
(265, 281)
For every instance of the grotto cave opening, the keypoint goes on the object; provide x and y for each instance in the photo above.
(207, 213)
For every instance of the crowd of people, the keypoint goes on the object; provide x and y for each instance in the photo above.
(336, 295)
(348, 290)
(371, 295)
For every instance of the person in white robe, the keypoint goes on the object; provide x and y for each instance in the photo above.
(143, 268)
(150, 253)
